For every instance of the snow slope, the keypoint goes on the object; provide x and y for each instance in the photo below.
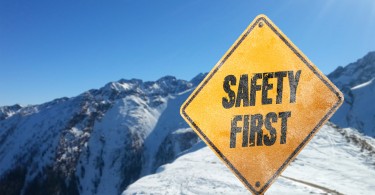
(356, 81)
(96, 143)
(336, 161)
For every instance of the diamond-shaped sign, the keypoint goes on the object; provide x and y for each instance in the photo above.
(260, 105)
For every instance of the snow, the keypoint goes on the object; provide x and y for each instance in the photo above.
(354, 73)
(332, 162)
(328, 164)
(362, 85)
(97, 140)
(76, 131)
(28, 138)
(169, 121)
(183, 130)
(356, 82)
(358, 109)
(128, 117)
(8, 111)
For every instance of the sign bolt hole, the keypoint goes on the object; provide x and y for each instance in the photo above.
(257, 184)
(260, 24)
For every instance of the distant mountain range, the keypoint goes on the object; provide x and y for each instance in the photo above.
(356, 81)
(105, 139)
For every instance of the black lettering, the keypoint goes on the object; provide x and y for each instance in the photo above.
(245, 137)
(234, 130)
(265, 87)
(280, 81)
(228, 81)
(243, 91)
(254, 88)
(293, 83)
(256, 127)
(270, 118)
(284, 125)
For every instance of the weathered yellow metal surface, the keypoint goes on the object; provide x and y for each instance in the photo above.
(261, 104)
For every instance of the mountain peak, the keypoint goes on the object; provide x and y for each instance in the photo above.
(361, 71)
(166, 78)
(199, 78)
(370, 56)
(356, 82)
(7, 111)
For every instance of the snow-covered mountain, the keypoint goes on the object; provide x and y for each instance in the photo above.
(356, 81)
(8, 111)
(336, 161)
(105, 139)
(96, 143)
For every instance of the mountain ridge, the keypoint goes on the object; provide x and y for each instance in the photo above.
(93, 143)
(356, 82)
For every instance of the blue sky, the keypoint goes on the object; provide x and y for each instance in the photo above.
(55, 48)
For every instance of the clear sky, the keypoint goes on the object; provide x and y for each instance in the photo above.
(56, 48)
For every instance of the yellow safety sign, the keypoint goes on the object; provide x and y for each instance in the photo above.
(261, 104)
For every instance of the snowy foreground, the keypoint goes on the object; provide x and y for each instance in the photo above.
(336, 161)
